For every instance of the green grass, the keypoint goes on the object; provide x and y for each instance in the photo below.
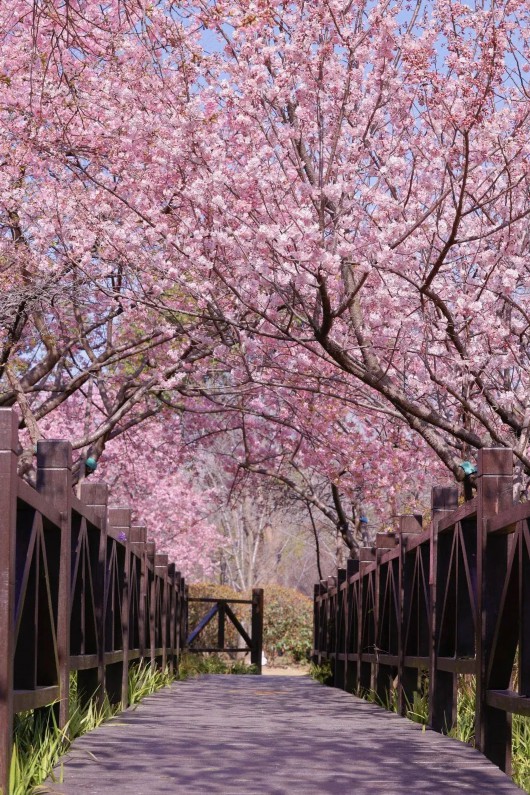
(144, 680)
(521, 751)
(38, 742)
(322, 673)
(465, 731)
(465, 711)
(196, 664)
(418, 710)
(38, 745)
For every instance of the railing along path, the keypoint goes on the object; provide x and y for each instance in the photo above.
(81, 589)
(450, 599)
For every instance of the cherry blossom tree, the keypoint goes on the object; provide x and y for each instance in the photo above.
(301, 226)
(148, 470)
(78, 272)
(371, 203)
(316, 443)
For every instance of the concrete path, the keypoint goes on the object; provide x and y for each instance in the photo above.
(249, 735)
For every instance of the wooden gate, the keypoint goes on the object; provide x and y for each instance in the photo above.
(223, 610)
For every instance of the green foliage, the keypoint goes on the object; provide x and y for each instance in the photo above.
(418, 709)
(192, 665)
(287, 622)
(465, 731)
(521, 751)
(322, 673)
(145, 679)
(465, 711)
(38, 742)
(388, 701)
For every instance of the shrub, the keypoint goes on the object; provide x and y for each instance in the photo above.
(192, 665)
(322, 673)
(288, 623)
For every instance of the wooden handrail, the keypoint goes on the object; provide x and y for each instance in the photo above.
(80, 590)
(446, 600)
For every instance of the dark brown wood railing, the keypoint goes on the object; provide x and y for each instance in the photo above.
(450, 599)
(221, 608)
(81, 589)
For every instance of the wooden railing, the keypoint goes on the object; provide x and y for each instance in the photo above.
(450, 599)
(223, 610)
(81, 589)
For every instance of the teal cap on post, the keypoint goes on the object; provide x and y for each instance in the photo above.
(91, 464)
(468, 467)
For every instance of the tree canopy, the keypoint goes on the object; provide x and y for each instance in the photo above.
(289, 235)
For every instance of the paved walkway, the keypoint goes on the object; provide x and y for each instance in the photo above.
(248, 735)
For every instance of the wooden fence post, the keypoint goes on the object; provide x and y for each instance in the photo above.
(367, 555)
(161, 564)
(316, 624)
(331, 605)
(119, 522)
(385, 674)
(150, 549)
(138, 540)
(442, 684)
(409, 524)
(8, 518)
(351, 636)
(322, 623)
(179, 607)
(54, 482)
(171, 573)
(257, 628)
(221, 614)
(185, 612)
(95, 496)
(494, 493)
(340, 633)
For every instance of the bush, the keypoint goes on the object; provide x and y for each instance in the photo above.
(192, 665)
(287, 623)
(322, 673)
